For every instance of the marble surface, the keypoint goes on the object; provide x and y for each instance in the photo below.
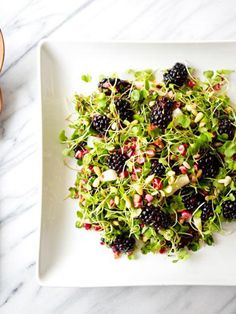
(24, 23)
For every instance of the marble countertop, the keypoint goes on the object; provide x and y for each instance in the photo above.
(24, 23)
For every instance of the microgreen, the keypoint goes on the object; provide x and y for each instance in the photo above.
(105, 201)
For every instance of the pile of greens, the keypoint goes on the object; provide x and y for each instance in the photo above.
(107, 201)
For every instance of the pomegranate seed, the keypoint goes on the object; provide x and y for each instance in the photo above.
(140, 160)
(124, 174)
(87, 226)
(137, 198)
(85, 151)
(191, 83)
(186, 215)
(217, 87)
(182, 149)
(98, 228)
(149, 198)
(157, 184)
(142, 225)
(162, 250)
(79, 154)
(150, 153)
(138, 205)
(183, 169)
(102, 243)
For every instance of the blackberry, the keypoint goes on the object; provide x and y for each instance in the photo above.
(123, 244)
(153, 216)
(148, 214)
(177, 75)
(162, 220)
(116, 161)
(209, 164)
(174, 166)
(207, 211)
(191, 199)
(101, 124)
(124, 110)
(226, 127)
(188, 238)
(106, 85)
(161, 114)
(229, 209)
(157, 168)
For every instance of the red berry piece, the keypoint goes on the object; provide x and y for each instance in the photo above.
(183, 149)
(183, 170)
(149, 198)
(217, 87)
(163, 250)
(98, 228)
(186, 215)
(191, 83)
(124, 174)
(87, 226)
(157, 184)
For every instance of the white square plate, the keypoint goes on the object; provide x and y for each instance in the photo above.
(72, 257)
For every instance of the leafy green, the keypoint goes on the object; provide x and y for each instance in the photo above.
(62, 136)
(106, 200)
(183, 120)
(208, 74)
(86, 78)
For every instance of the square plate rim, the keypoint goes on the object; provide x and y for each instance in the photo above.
(40, 46)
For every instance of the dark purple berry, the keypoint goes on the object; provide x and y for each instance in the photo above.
(177, 75)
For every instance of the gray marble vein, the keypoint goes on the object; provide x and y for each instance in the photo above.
(24, 23)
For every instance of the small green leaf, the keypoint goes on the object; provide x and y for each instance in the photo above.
(183, 120)
(78, 224)
(224, 71)
(86, 78)
(62, 136)
(66, 152)
(79, 214)
(135, 95)
(208, 74)
(229, 149)
(218, 209)
(138, 118)
(147, 84)
(143, 94)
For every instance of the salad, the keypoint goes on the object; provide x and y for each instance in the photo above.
(156, 168)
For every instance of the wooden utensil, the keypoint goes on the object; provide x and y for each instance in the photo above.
(2, 53)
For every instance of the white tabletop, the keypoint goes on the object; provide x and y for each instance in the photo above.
(24, 23)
